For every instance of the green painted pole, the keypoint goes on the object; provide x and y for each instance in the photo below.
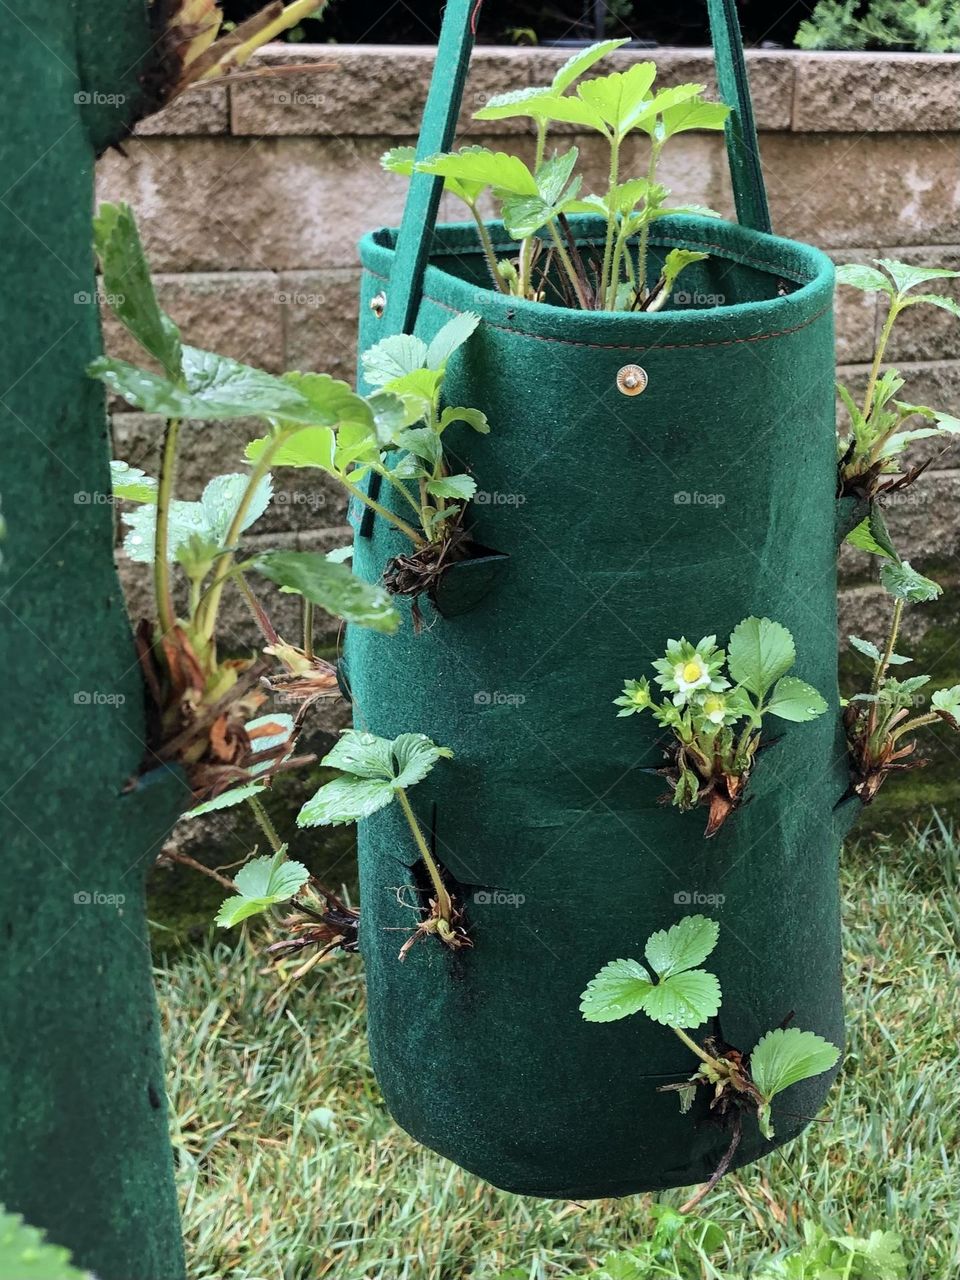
(84, 1145)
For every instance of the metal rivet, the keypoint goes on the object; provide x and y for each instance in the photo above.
(378, 304)
(631, 380)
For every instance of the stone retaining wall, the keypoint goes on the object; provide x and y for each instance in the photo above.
(251, 199)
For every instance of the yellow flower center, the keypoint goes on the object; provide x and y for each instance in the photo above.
(692, 671)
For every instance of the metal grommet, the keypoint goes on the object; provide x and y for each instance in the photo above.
(631, 380)
(378, 304)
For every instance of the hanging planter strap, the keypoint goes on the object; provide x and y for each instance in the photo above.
(439, 127)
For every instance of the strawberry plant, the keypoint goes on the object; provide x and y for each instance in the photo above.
(716, 719)
(412, 460)
(881, 722)
(535, 202)
(376, 772)
(879, 431)
(203, 712)
(673, 990)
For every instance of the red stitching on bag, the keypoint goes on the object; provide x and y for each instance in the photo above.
(617, 346)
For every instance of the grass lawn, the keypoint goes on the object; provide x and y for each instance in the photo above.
(291, 1169)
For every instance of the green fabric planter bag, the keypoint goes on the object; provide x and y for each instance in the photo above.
(627, 521)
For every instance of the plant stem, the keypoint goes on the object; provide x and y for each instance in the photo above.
(720, 1170)
(256, 608)
(488, 250)
(878, 356)
(184, 858)
(541, 143)
(611, 217)
(695, 1048)
(655, 149)
(881, 667)
(207, 620)
(444, 905)
(400, 488)
(568, 265)
(265, 824)
(161, 565)
(402, 525)
(308, 627)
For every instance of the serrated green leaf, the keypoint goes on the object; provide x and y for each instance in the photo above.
(472, 417)
(221, 499)
(795, 700)
(478, 165)
(217, 388)
(391, 413)
(365, 755)
(131, 484)
(516, 103)
(554, 175)
(450, 339)
(872, 535)
(937, 300)
(329, 401)
(683, 946)
(622, 98)
(399, 160)
(617, 991)
(197, 531)
(524, 215)
(882, 1251)
(262, 883)
(759, 653)
(904, 583)
(859, 276)
(685, 1000)
(271, 876)
(129, 287)
(688, 115)
(223, 388)
(26, 1254)
(901, 439)
(678, 260)
(374, 770)
(579, 63)
(571, 110)
(392, 358)
(453, 487)
(907, 277)
(309, 447)
(866, 647)
(346, 799)
(226, 799)
(946, 703)
(332, 586)
(414, 756)
(402, 761)
(186, 521)
(788, 1055)
(423, 443)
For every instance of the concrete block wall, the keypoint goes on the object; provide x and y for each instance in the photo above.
(251, 199)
